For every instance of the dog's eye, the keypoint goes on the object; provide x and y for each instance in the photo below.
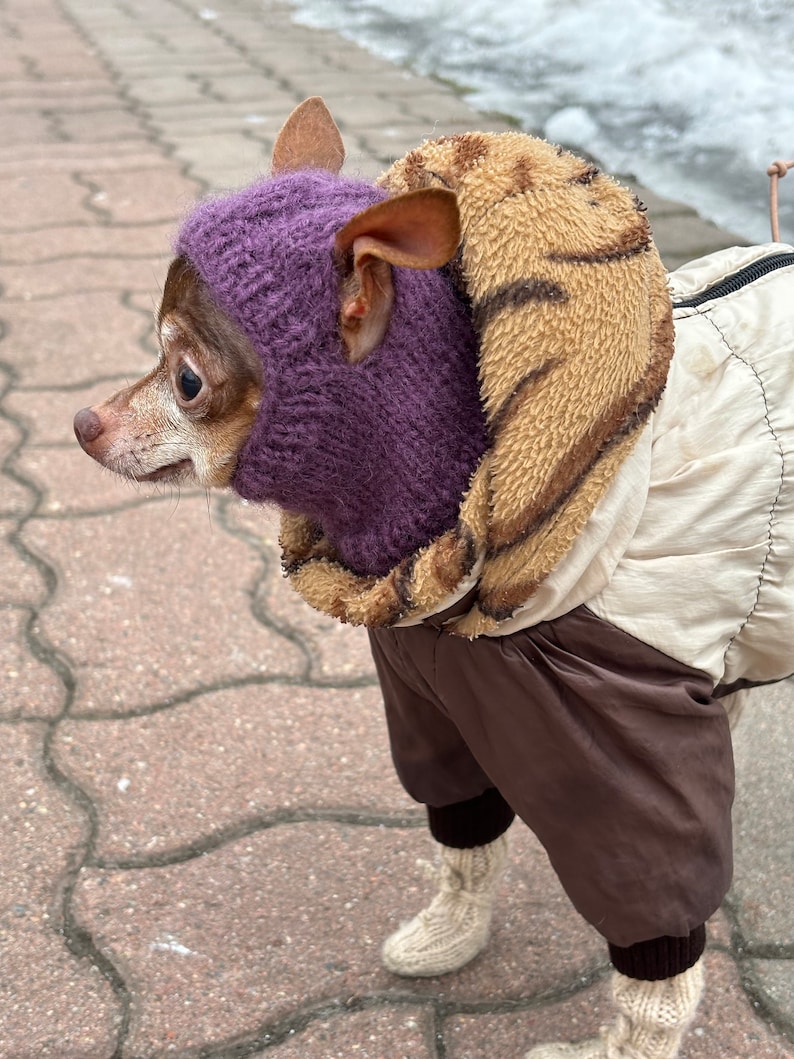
(189, 383)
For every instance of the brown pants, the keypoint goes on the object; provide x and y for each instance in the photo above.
(616, 756)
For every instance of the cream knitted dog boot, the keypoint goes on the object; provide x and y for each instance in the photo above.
(652, 1019)
(454, 927)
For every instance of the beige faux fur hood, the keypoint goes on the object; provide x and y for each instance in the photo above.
(570, 301)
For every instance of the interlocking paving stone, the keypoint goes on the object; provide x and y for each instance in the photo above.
(227, 159)
(214, 842)
(20, 581)
(228, 759)
(101, 126)
(141, 196)
(52, 279)
(15, 498)
(763, 821)
(71, 341)
(10, 437)
(52, 1003)
(206, 121)
(773, 982)
(12, 66)
(67, 484)
(34, 91)
(100, 240)
(28, 685)
(387, 1031)
(35, 200)
(337, 652)
(291, 917)
(154, 604)
(724, 1026)
(71, 158)
(24, 128)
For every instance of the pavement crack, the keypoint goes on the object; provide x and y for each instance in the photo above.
(148, 338)
(56, 127)
(77, 940)
(184, 697)
(258, 610)
(93, 199)
(79, 255)
(226, 836)
(744, 954)
(280, 1031)
(281, 626)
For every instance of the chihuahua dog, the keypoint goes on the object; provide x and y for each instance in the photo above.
(186, 421)
(459, 388)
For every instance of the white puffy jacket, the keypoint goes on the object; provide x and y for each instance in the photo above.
(692, 548)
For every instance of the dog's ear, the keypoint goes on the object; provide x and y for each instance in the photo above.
(420, 229)
(309, 139)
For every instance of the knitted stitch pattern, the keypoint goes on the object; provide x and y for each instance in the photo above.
(453, 929)
(375, 456)
(652, 1018)
(574, 319)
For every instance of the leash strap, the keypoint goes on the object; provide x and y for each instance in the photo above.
(775, 173)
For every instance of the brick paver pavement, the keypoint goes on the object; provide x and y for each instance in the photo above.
(202, 841)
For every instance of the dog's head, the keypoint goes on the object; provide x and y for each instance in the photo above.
(294, 272)
(185, 421)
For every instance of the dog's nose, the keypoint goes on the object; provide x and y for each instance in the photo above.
(87, 426)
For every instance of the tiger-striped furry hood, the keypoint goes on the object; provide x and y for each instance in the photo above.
(570, 301)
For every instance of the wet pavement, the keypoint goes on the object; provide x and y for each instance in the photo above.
(203, 843)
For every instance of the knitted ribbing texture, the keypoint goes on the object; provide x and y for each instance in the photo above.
(474, 822)
(652, 1018)
(662, 957)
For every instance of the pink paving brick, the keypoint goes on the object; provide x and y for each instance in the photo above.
(15, 499)
(75, 339)
(35, 200)
(39, 159)
(21, 582)
(338, 652)
(229, 758)
(28, 686)
(19, 127)
(142, 196)
(386, 1031)
(47, 416)
(53, 279)
(153, 604)
(98, 240)
(725, 1024)
(69, 482)
(291, 917)
(98, 126)
(52, 1004)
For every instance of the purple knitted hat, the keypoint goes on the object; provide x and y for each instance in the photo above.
(378, 453)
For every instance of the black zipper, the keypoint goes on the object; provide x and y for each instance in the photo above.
(748, 274)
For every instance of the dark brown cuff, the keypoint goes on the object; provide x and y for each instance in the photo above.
(475, 822)
(660, 957)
